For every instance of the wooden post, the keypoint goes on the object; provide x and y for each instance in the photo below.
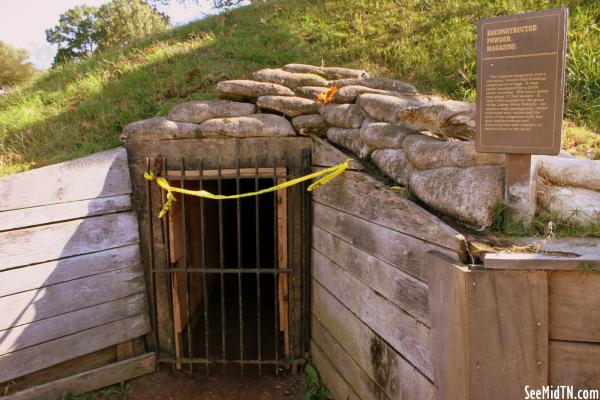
(519, 189)
(489, 331)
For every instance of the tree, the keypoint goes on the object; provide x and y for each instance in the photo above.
(13, 67)
(83, 30)
(124, 20)
(216, 3)
(77, 34)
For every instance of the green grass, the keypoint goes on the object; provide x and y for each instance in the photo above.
(81, 108)
(115, 392)
(544, 226)
(313, 388)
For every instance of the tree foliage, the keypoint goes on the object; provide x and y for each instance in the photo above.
(77, 34)
(13, 66)
(83, 30)
(120, 21)
(215, 3)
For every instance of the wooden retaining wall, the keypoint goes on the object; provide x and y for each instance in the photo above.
(396, 314)
(371, 336)
(71, 279)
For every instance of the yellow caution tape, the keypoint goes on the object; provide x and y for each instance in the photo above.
(330, 173)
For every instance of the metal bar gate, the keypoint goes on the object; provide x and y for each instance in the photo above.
(229, 283)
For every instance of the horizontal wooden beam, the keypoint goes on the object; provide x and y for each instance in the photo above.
(407, 292)
(330, 376)
(540, 261)
(90, 380)
(52, 213)
(213, 173)
(574, 364)
(69, 323)
(34, 305)
(405, 334)
(359, 194)
(404, 252)
(393, 374)
(65, 239)
(98, 175)
(574, 307)
(44, 355)
(50, 273)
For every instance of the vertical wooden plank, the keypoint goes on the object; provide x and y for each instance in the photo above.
(282, 254)
(448, 313)
(125, 350)
(490, 330)
(508, 332)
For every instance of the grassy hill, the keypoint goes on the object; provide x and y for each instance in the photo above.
(81, 108)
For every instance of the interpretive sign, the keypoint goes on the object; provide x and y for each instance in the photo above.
(520, 82)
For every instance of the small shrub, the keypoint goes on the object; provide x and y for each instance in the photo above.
(312, 386)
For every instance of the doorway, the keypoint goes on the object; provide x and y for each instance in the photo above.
(230, 284)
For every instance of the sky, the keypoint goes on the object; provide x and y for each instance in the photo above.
(23, 22)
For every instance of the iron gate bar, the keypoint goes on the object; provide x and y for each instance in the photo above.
(291, 282)
(186, 261)
(257, 242)
(227, 270)
(228, 173)
(222, 266)
(279, 268)
(151, 262)
(276, 264)
(239, 260)
(167, 249)
(201, 360)
(203, 258)
(305, 265)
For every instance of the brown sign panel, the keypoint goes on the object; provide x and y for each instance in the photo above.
(520, 82)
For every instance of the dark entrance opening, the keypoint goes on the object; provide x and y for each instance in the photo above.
(229, 280)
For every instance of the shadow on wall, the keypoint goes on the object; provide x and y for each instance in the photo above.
(71, 280)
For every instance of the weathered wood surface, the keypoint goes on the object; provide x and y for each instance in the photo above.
(50, 242)
(489, 331)
(408, 293)
(49, 301)
(508, 332)
(58, 271)
(74, 366)
(359, 194)
(90, 380)
(404, 252)
(98, 175)
(522, 261)
(449, 327)
(574, 306)
(26, 217)
(333, 380)
(549, 254)
(324, 154)
(26, 335)
(574, 364)
(391, 372)
(361, 383)
(408, 336)
(34, 358)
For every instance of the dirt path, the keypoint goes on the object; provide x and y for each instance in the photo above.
(185, 386)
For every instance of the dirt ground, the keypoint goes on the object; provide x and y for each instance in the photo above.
(165, 385)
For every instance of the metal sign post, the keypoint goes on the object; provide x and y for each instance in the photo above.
(520, 92)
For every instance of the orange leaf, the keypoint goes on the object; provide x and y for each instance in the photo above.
(326, 98)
